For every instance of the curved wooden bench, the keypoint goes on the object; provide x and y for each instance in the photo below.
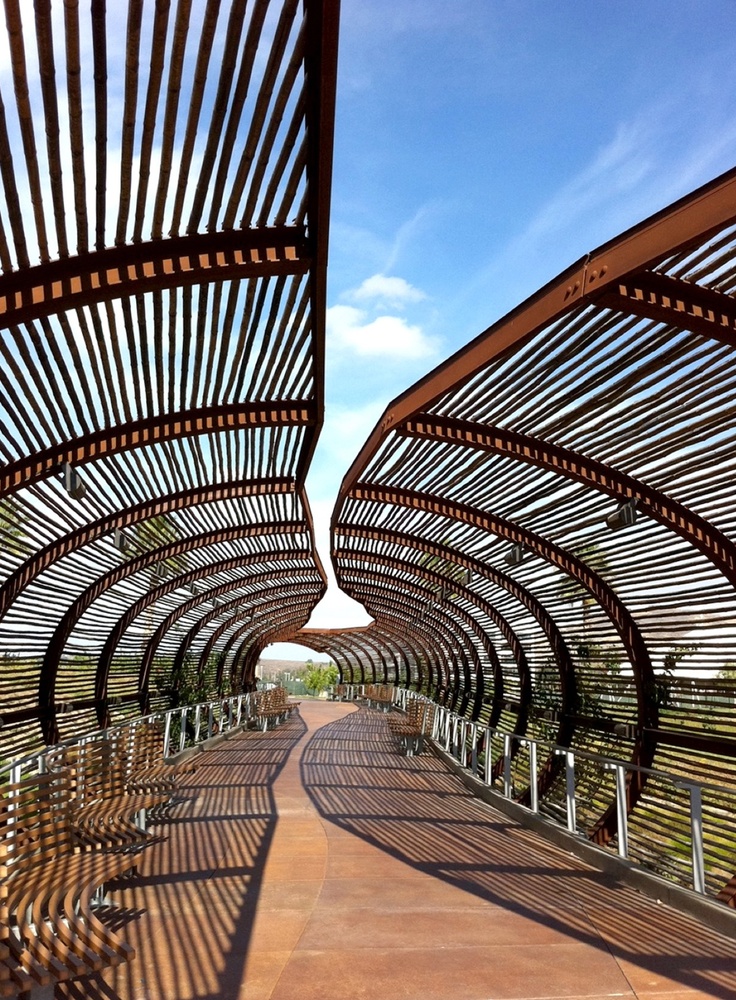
(273, 704)
(147, 770)
(410, 729)
(379, 696)
(50, 931)
(102, 810)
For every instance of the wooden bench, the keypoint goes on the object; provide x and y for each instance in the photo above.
(104, 810)
(148, 772)
(379, 696)
(411, 728)
(273, 705)
(49, 931)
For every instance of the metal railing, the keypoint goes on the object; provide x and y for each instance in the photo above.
(185, 726)
(697, 809)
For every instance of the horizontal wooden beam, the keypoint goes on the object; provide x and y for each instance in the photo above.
(122, 271)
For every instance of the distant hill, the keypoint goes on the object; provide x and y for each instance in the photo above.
(270, 668)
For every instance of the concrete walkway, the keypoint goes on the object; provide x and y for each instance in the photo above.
(316, 862)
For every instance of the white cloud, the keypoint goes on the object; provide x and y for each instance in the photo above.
(388, 290)
(384, 336)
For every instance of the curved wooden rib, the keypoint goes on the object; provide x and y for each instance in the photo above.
(51, 553)
(154, 430)
(694, 529)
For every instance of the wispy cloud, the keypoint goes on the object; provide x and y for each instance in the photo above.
(642, 167)
(386, 290)
(350, 328)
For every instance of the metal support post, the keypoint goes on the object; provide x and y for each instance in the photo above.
(696, 833)
(622, 816)
(183, 731)
(167, 733)
(533, 776)
(570, 791)
(489, 757)
(507, 765)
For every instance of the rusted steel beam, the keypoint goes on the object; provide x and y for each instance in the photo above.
(28, 571)
(155, 430)
(212, 613)
(127, 270)
(567, 721)
(685, 224)
(308, 597)
(676, 303)
(394, 648)
(179, 657)
(405, 634)
(596, 586)
(614, 608)
(455, 643)
(250, 654)
(309, 592)
(320, 67)
(695, 530)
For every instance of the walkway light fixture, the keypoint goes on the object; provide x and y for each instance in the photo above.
(72, 483)
(515, 555)
(120, 540)
(623, 517)
(160, 571)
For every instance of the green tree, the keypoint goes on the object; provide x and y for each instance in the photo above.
(155, 533)
(446, 568)
(12, 526)
(318, 678)
(664, 680)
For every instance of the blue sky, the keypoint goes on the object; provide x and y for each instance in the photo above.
(481, 146)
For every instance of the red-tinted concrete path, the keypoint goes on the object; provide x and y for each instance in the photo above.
(316, 862)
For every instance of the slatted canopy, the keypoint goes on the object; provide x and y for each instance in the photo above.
(165, 173)
(543, 527)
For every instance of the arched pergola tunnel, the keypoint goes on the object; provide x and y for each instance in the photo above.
(162, 341)
(162, 305)
(489, 490)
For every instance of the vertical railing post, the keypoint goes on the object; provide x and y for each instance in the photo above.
(696, 833)
(474, 752)
(183, 729)
(507, 765)
(622, 813)
(167, 733)
(533, 776)
(197, 722)
(210, 720)
(572, 825)
(489, 757)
